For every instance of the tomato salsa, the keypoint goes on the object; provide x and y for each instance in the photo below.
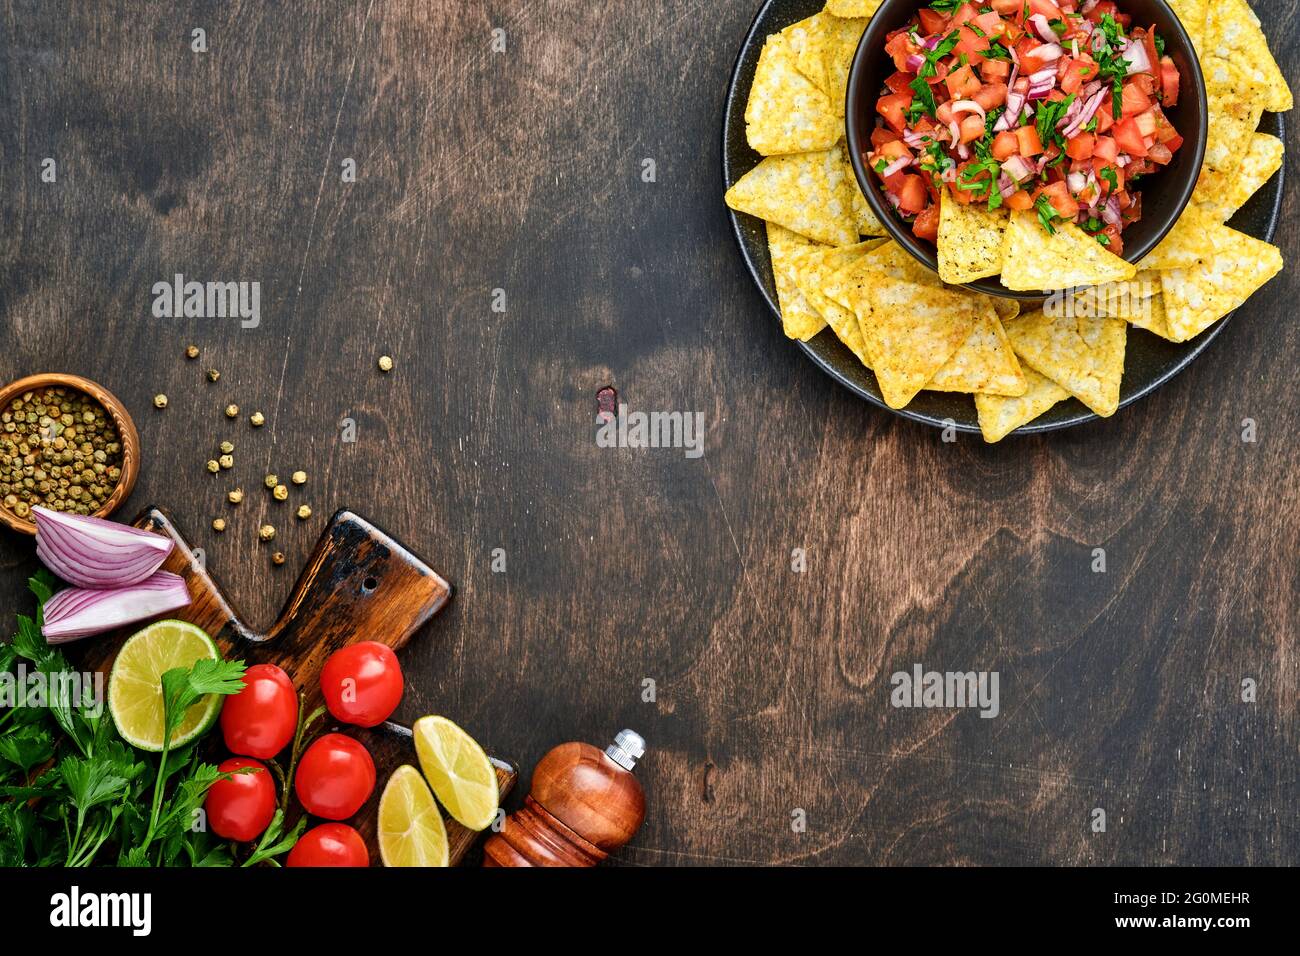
(1051, 105)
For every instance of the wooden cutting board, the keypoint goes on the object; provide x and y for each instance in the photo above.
(360, 584)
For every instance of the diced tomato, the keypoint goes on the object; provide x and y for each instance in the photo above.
(1005, 145)
(1160, 153)
(1103, 180)
(1020, 199)
(1031, 62)
(1108, 7)
(995, 70)
(971, 127)
(1149, 41)
(895, 149)
(992, 24)
(1129, 137)
(900, 47)
(1074, 73)
(1081, 146)
(1114, 243)
(899, 82)
(927, 223)
(1146, 123)
(912, 195)
(1007, 8)
(1135, 101)
(962, 83)
(894, 109)
(932, 21)
(1030, 144)
(1105, 148)
(991, 96)
(971, 43)
(1174, 143)
(1047, 8)
(882, 135)
(1169, 79)
(964, 14)
(1058, 194)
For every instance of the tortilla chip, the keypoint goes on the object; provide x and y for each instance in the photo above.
(839, 45)
(786, 112)
(1084, 356)
(806, 40)
(1226, 276)
(815, 270)
(1232, 32)
(1005, 308)
(806, 193)
(910, 329)
(1153, 318)
(1034, 260)
(1192, 15)
(853, 8)
(868, 224)
(1000, 416)
(970, 240)
(984, 363)
(1222, 194)
(1137, 302)
(1183, 246)
(1236, 102)
(788, 249)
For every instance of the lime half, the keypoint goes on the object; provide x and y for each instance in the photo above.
(459, 771)
(411, 831)
(135, 684)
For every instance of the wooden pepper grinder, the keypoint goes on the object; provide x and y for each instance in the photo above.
(583, 804)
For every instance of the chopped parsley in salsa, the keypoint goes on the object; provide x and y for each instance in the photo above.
(1056, 107)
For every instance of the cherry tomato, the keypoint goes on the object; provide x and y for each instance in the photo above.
(362, 683)
(261, 719)
(335, 777)
(241, 808)
(330, 844)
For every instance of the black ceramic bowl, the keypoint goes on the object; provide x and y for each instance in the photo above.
(1164, 194)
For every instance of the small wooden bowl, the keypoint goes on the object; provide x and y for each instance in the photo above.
(121, 419)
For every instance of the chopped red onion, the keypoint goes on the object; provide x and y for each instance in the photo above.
(915, 62)
(1018, 168)
(1085, 114)
(80, 612)
(1042, 28)
(969, 106)
(1135, 54)
(897, 165)
(1006, 186)
(94, 553)
(1048, 52)
(1076, 181)
(1110, 211)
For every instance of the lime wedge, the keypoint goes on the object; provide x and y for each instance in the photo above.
(459, 771)
(135, 684)
(411, 832)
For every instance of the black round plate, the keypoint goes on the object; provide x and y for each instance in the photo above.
(1150, 361)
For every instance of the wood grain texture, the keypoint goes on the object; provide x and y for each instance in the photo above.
(359, 584)
(522, 171)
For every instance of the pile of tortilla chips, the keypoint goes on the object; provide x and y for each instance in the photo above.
(918, 333)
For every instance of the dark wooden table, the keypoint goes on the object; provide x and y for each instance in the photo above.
(522, 171)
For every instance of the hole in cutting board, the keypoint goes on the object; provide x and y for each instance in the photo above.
(369, 584)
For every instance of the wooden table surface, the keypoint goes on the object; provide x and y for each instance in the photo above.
(522, 171)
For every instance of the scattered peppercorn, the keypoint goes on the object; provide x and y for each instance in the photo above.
(258, 419)
(271, 481)
(191, 351)
(227, 447)
(385, 363)
(277, 558)
(226, 461)
(59, 449)
(213, 375)
(236, 496)
(160, 401)
(304, 512)
(280, 492)
(232, 411)
(218, 525)
(266, 532)
(299, 477)
(214, 466)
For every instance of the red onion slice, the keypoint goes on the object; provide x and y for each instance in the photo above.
(94, 553)
(1135, 54)
(969, 106)
(1110, 211)
(1042, 28)
(1048, 53)
(915, 62)
(80, 612)
(897, 165)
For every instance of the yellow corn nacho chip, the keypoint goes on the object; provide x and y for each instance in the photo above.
(1034, 260)
(1138, 302)
(970, 240)
(853, 8)
(1226, 276)
(1084, 356)
(815, 271)
(806, 193)
(984, 363)
(806, 40)
(1000, 416)
(1236, 103)
(910, 329)
(1232, 32)
(867, 223)
(839, 45)
(1221, 194)
(1192, 15)
(1192, 233)
(786, 112)
(1006, 308)
(787, 250)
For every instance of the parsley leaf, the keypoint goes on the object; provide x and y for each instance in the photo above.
(1046, 213)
